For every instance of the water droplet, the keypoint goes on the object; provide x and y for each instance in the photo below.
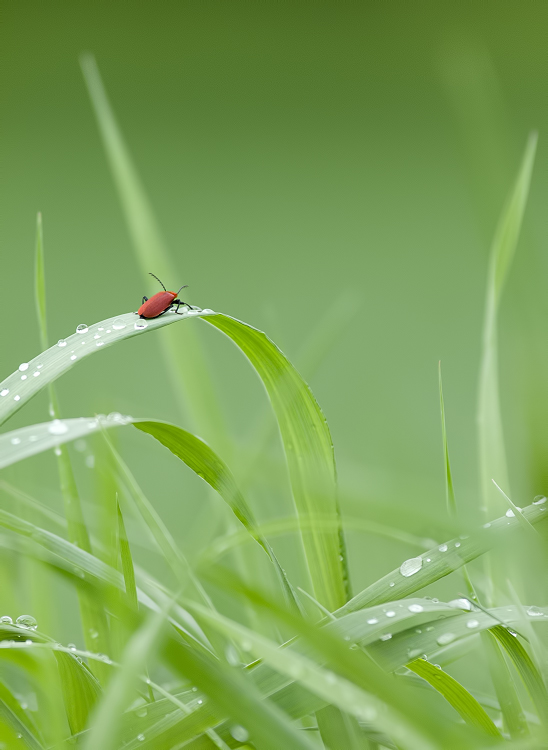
(391, 584)
(90, 461)
(510, 513)
(415, 608)
(411, 566)
(17, 398)
(200, 701)
(26, 621)
(460, 604)
(141, 712)
(71, 646)
(386, 637)
(535, 612)
(97, 336)
(100, 329)
(58, 451)
(118, 324)
(23, 377)
(194, 312)
(6, 620)
(57, 427)
(239, 733)
(99, 343)
(539, 500)
(445, 638)
(82, 328)
(391, 613)
(442, 548)
(24, 366)
(413, 653)
(61, 342)
(472, 624)
(35, 374)
(15, 441)
(4, 392)
(486, 525)
(372, 621)
(108, 330)
(206, 310)
(93, 634)
(140, 324)
(141, 737)
(457, 544)
(73, 357)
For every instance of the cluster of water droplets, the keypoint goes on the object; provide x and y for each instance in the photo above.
(26, 622)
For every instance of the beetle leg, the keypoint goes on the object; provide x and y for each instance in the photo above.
(179, 303)
(145, 299)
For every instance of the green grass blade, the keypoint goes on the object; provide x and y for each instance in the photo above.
(40, 283)
(490, 433)
(105, 723)
(127, 563)
(58, 359)
(456, 695)
(81, 691)
(512, 711)
(309, 452)
(18, 721)
(192, 385)
(450, 493)
(206, 463)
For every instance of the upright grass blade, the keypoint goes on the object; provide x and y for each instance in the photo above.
(93, 616)
(309, 451)
(105, 727)
(492, 456)
(512, 711)
(192, 385)
(449, 491)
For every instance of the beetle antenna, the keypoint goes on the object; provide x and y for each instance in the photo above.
(183, 287)
(157, 279)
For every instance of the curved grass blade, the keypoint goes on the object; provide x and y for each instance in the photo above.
(309, 451)
(456, 695)
(52, 363)
(17, 720)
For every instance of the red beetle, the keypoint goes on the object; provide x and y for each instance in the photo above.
(160, 302)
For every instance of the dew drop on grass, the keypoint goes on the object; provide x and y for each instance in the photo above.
(141, 712)
(24, 366)
(239, 733)
(61, 342)
(82, 328)
(413, 653)
(140, 324)
(442, 548)
(392, 584)
(15, 441)
(26, 621)
(57, 428)
(535, 612)
(539, 500)
(486, 525)
(411, 566)
(386, 637)
(457, 544)
(35, 374)
(4, 392)
(372, 621)
(118, 324)
(23, 377)
(93, 634)
(141, 737)
(74, 357)
(460, 604)
(415, 608)
(207, 310)
(97, 336)
(510, 513)
(99, 343)
(58, 451)
(391, 613)
(445, 638)
(6, 620)
(17, 398)
(471, 624)
(71, 646)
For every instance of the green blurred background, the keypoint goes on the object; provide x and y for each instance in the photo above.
(315, 167)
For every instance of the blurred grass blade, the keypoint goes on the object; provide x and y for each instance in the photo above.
(455, 694)
(513, 509)
(450, 493)
(492, 456)
(40, 283)
(526, 669)
(206, 463)
(512, 711)
(52, 363)
(127, 563)
(105, 723)
(309, 451)
(192, 385)
(80, 691)
(18, 721)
